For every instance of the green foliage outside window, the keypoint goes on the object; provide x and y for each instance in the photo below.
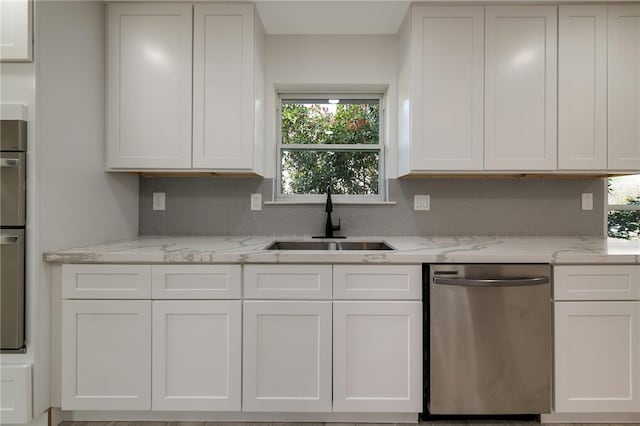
(351, 171)
(625, 223)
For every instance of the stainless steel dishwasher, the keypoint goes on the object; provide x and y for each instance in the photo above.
(490, 339)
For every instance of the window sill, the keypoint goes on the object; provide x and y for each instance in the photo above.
(322, 202)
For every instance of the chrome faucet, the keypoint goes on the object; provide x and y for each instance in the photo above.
(329, 227)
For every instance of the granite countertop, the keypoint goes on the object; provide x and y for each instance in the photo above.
(250, 249)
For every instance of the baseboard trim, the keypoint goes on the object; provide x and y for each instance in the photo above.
(590, 418)
(174, 416)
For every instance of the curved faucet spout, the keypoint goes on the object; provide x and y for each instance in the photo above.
(329, 206)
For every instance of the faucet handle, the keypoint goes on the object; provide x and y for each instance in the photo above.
(337, 227)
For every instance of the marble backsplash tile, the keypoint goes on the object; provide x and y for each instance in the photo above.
(220, 206)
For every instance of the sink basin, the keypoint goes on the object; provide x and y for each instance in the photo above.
(329, 245)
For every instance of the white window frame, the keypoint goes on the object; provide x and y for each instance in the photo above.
(336, 198)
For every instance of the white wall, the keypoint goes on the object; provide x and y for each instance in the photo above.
(331, 63)
(80, 203)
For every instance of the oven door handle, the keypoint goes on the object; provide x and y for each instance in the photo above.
(9, 162)
(8, 239)
(491, 282)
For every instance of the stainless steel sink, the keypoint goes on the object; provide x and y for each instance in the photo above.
(329, 245)
(364, 245)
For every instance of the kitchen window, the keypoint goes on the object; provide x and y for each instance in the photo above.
(623, 215)
(330, 140)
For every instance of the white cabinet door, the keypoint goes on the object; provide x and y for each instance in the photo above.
(223, 86)
(106, 355)
(15, 393)
(377, 357)
(597, 357)
(16, 30)
(448, 88)
(624, 87)
(196, 355)
(582, 87)
(287, 356)
(149, 85)
(520, 87)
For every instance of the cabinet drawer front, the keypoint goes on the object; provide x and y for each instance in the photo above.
(287, 281)
(403, 282)
(106, 281)
(603, 282)
(196, 281)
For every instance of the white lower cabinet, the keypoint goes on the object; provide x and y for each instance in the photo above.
(106, 359)
(287, 356)
(377, 356)
(196, 362)
(597, 357)
(597, 338)
(295, 355)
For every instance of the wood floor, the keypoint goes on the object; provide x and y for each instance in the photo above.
(435, 423)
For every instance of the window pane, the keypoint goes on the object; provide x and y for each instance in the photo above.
(321, 122)
(310, 172)
(625, 224)
(624, 189)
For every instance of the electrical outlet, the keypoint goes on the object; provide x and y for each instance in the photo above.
(587, 201)
(158, 200)
(421, 202)
(256, 202)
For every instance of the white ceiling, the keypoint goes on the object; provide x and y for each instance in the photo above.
(332, 17)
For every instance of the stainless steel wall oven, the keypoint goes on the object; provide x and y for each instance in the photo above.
(13, 146)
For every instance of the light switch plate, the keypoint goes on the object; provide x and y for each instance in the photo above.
(256, 202)
(587, 201)
(421, 202)
(158, 200)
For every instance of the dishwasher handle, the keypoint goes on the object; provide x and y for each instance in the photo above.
(491, 282)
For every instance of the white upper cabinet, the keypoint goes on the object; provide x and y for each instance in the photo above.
(582, 88)
(224, 87)
(624, 87)
(447, 73)
(520, 87)
(16, 31)
(166, 61)
(149, 86)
